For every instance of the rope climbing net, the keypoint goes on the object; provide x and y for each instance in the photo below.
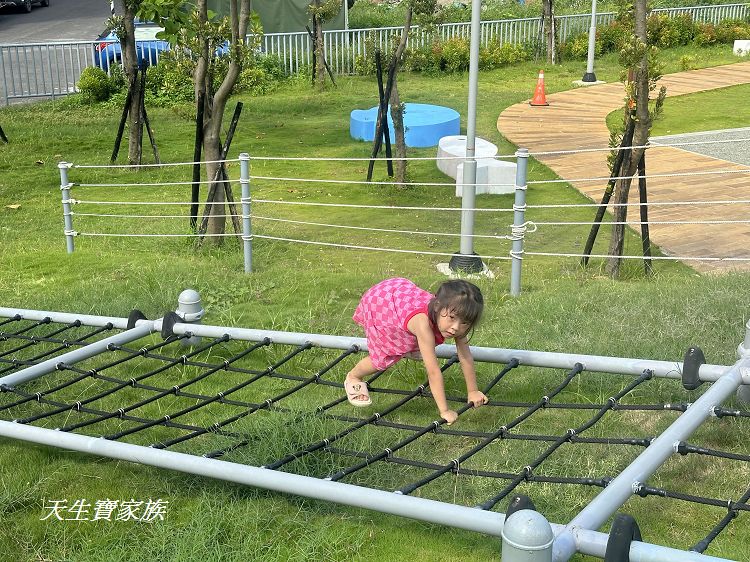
(583, 436)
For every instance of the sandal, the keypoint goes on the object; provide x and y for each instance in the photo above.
(353, 392)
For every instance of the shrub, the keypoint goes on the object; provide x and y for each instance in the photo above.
(577, 48)
(171, 80)
(94, 84)
(706, 35)
(613, 37)
(117, 79)
(455, 55)
(496, 55)
(687, 62)
(729, 30)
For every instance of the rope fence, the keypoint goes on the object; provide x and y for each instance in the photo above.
(527, 228)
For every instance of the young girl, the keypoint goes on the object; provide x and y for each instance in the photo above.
(399, 319)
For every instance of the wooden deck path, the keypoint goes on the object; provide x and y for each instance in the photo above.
(575, 120)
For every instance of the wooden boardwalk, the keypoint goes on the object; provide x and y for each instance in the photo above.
(575, 120)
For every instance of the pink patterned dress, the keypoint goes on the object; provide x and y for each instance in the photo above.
(384, 311)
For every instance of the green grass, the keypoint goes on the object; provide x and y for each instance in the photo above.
(308, 289)
(704, 111)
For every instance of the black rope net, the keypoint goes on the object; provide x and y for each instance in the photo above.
(557, 436)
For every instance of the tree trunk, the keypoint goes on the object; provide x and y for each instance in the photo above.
(397, 115)
(640, 138)
(320, 68)
(395, 100)
(550, 31)
(130, 68)
(215, 106)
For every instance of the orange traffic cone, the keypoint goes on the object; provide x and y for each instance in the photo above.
(539, 98)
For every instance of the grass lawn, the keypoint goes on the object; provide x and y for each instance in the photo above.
(314, 289)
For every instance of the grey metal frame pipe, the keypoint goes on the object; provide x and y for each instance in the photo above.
(519, 211)
(469, 189)
(143, 328)
(547, 359)
(598, 363)
(67, 217)
(432, 511)
(64, 317)
(247, 238)
(468, 518)
(624, 485)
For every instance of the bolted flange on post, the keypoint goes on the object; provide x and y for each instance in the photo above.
(190, 310)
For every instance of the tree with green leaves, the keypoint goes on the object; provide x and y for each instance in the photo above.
(424, 12)
(124, 27)
(321, 11)
(643, 71)
(199, 33)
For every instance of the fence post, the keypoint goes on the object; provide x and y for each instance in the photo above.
(518, 230)
(67, 216)
(6, 92)
(247, 237)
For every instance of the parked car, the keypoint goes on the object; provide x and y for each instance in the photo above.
(25, 4)
(108, 51)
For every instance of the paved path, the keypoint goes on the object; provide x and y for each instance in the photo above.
(62, 20)
(575, 119)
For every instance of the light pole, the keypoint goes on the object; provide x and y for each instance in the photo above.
(466, 259)
(590, 76)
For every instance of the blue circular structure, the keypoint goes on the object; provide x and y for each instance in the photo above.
(425, 124)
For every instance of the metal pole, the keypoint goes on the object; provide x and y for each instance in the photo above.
(466, 259)
(599, 363)
(247, 237)
(422, 509)
(590, 76)
(67, 217)
(143, 328)
(617, 492)
(519, 210)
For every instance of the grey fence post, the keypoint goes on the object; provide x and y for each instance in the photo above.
(519, 209)
(67, 216)
(247, 238)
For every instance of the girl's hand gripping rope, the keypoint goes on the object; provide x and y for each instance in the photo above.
(477, 398)
(449, 416)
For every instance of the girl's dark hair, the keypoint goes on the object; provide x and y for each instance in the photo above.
(459, 297)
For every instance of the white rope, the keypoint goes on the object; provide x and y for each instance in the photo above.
(310, 203)
(495, 237)
(350, 246)
(649, 204)
(121, 235)
(257, 217)
(114, 216)
(647, 176)
(361, 182)
(156, 184)
(278, 202)
(719, 221)
(185, 203)
(378, 159)
(680, 258)
(651, 144)
(154, 165)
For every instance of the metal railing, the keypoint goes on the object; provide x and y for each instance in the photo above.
(53, 69)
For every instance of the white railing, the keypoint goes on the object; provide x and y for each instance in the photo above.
(53, 69)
